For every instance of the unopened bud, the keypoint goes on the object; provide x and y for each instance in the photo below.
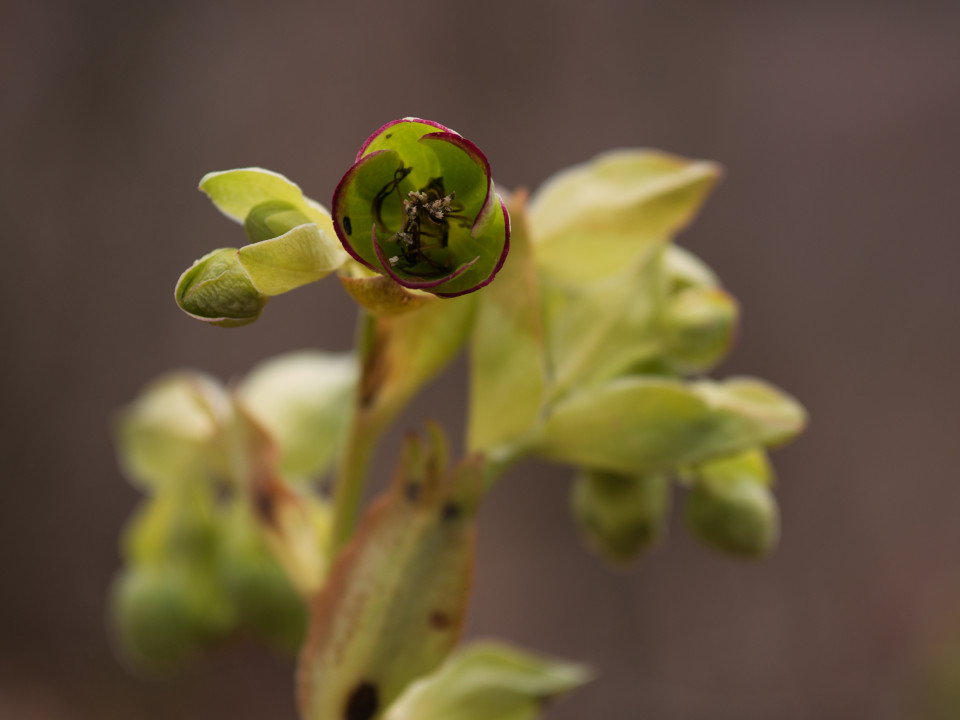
(699, 325)
(217, 290)
(620, 516)
(731, 508)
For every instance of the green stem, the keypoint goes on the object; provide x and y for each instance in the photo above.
(351, 477)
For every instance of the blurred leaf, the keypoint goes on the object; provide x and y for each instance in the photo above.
(394, 603)
(237, 192)
(647, 425)
(304, 400)
(620, 516)
(600, 328)
(171, 433)
(507, 374)
(489, 681)
(685, 270)
(730, 506)
(594, 219)
(300, 256)
(293, 525)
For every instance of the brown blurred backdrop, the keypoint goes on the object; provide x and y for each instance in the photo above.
(836, 227)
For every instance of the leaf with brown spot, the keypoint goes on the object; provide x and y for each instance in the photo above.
(394, 603)
(292, 525)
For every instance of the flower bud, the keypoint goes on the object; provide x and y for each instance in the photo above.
(419, 206)
(217, 290)
(620, 516)
(699, 325)
(265, 599)
(152, 616)
(163, 614)
(730, 506)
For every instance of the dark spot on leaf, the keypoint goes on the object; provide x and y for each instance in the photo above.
(388, 136)
(451, 511)
(439, 620)
(347, 225)
(363, 702)
(412, 492)
(264, 504)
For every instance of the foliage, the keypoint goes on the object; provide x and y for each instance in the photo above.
(589, 349)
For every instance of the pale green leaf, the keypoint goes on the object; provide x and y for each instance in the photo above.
(685, 270)
(646, 425)
(598, 329)
(593, 219)
(394, 603)
(489, 681)
(170, 433)
(237, 192)
(507, 373)
(304, 401)
(301, 256)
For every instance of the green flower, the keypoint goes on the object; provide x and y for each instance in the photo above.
(419, 206)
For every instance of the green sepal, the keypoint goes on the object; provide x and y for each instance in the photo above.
(593, 219)
(649, 425)
(620, 516)
(489, 681)
(380, 295)
(216, 289)
(730, 506)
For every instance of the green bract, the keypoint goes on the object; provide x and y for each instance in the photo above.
(489, 681)
(292, 244)
(419, 205)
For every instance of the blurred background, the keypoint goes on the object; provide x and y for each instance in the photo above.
(836, 227)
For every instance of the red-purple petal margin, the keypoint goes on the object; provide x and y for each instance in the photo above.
(503, 257)
(487, 209)
(414, 284)
(336, 200)
(374, 136)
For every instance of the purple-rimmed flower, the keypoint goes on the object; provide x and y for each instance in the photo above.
(419, 206)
